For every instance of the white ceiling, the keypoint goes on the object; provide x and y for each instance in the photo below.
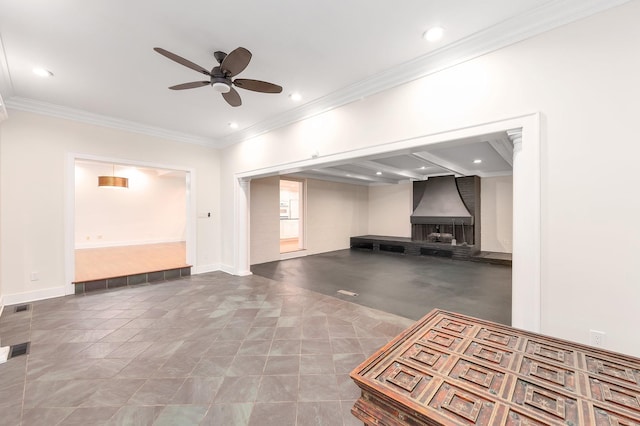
(332, 52)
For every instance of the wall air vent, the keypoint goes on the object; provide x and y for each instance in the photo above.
(19, 349)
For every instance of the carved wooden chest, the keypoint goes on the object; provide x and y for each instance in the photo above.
(450, 369)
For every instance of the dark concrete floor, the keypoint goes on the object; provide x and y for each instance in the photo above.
(403, 285)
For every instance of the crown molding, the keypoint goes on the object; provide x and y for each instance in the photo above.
(6, 86)
(548, 16)
(30, 105)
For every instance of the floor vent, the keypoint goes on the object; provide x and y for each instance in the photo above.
(347, 293)
(19, 349)
(22, 308)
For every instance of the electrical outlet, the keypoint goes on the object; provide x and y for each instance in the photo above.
(596, 338)
(34, 276)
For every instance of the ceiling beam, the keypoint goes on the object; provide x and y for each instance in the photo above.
(374, 165)
(447, 165)
(354, 176)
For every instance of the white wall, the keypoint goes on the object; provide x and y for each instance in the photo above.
(152, 210)
(265, 220)
(582, 78)
(390, 210)
(33, 163)
(496, 213)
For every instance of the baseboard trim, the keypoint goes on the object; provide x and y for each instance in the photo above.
(1, 305)
(32, 296)
(294, 254)
(80, 246)
(4, 354)
(232, 271)
(203, 269)
(227, 269)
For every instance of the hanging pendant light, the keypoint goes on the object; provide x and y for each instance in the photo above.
(113, 181)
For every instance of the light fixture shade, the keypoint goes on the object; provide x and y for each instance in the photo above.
(113, 181)
(221, 87)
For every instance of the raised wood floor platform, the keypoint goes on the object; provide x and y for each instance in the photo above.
(120, 266)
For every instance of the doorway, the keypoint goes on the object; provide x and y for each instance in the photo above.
(141, 227)
(524, 134)
(291, 215)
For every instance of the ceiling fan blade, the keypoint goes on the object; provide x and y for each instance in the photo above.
(235, 62)
(257, 85)
(181, 60)
(191, 85)
(232, 97)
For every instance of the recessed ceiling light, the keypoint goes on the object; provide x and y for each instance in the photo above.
(41, 72)
(478, 161)
(433, 34)
(233, 125)
(378, 173)
(295, 96)
(423, 167)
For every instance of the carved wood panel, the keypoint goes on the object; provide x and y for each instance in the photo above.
(450, 369)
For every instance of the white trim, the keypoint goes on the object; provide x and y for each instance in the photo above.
(39, 107)
(4, 354)
(6, 85)
(126, 243)
(69, 245)
(32, 296)
(227, 269)
(526, 272)
(536, 21)
(294, 254)
(203, 269)
(241, 230)
(1, 305)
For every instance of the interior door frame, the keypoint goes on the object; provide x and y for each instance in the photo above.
(524, 132)
(70, 218)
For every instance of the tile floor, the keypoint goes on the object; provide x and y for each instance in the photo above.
(403, 285)
(210, 349)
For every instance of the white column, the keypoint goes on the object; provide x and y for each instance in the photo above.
(525, 296)
(241, 228)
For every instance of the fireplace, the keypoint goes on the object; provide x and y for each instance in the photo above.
(446, 208)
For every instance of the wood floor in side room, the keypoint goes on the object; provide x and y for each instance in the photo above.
(109, 262)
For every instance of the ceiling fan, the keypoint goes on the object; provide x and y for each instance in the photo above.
(220, 76)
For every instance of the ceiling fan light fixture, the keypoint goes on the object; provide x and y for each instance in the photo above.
(221, 87)
(295, 96)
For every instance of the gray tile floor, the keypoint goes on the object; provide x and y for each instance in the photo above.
(211, 349)
(409, 286)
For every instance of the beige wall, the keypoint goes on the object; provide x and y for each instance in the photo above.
(265, 220)
(390, 210)
(153, 209)
(496, 212)
(334, 212)
(34, 152)
(582, 79)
